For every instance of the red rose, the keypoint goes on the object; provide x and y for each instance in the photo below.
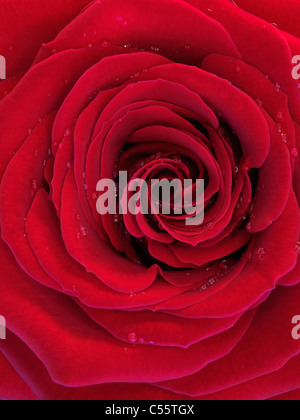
(136, 307)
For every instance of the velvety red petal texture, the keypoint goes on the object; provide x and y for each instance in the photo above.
(133, 306)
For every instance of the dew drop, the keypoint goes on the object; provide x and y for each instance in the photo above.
(283, 137)
(210, 226)
(297, 247)
(69, 165)
(95, 196)
(188, 47)
(152, 343)
(132, 338)
(277, 87)
(75, 289)
(295, 152)
(279, 115)
(83, 231)
(223, 266)
(154, 48)
(121, 20)
(34, 184)
(105, 44)
(67, 132)
(260, 253)
(141, 340)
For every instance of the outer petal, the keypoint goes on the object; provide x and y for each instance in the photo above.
(28, 24)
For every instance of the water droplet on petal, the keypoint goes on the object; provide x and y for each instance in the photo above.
(141, 340)
(223, 266)
(152, 343)
(249, 255)
(34, 184)
(154, 48)
(210, 226)
(297, 247)
(279, 115)
(283, 137)
(277, 87)
(211, 281)
(67, 132)
(121, 20)
(105, 44)
(132, 338)
(260, 253)
(295, 152)
(83, 231)
(69, 165)
(188, 47)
